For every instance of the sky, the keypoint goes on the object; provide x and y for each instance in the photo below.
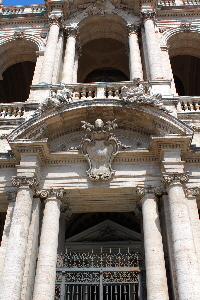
(21, 2)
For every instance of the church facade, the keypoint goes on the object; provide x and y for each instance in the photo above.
(100, 150)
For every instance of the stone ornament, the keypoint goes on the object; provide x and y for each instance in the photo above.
(58, 98)
(132, 28)
(19, 181)
(72, 31)
(11, 196)
(169, 178)
(185, 27)
(192, 192)
(138, 94)
(50, 192)
(19, 34)
(55, 19)
(99, 147)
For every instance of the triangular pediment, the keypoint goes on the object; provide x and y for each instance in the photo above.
(105, 231)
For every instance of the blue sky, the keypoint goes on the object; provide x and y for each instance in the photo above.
(22, 2)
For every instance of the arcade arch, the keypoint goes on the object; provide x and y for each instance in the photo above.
(18, 58)
(184, 52)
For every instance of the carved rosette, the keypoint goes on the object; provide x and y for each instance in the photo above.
(169, 178)
(11, 196)
(99, 147)
(132, 28)
(147, 15)
(20, 181)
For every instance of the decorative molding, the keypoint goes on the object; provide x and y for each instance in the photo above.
(169, 178)
(55, 19)
(20, 181)
(99, 147)
(72, 31)
(11, 196)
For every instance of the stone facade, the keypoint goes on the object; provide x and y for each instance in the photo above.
(100, 149)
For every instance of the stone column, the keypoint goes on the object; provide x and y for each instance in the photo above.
(194, 218)
(156, 279)
(135, 64)
(50, 52)
(75, 69)
(47, 258)
(69, 59)
(13, 269)
(153, 51)
(185, 258)
(11, 197)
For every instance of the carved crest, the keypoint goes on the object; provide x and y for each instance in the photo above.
(99, 146)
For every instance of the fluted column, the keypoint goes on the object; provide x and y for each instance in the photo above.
(13, 269)
(194, 218)
(69, 59)
(50, 51)
(185, 259)
(135, 64)
(153, 51)
(46, 266)
(156, 280)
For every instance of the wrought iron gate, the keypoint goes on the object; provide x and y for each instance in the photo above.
(100, 277)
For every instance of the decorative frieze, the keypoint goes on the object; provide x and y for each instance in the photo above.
(169, 178)
(20, 181)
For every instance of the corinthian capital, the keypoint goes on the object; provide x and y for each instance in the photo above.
(147, 15)
(72, 31)
(55, 19)
(169, 178)
(31, 182)
(50, 192)
(132, 28)
(142, 191)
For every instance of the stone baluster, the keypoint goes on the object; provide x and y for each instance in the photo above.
(194, 218)
(135, 64)
(156, 280)
(153, 51)
(47, 258)
(185, 258)
(13, 269)
(70, 52)
(50, 52)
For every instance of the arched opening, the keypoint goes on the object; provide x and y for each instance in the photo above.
(17, 65)
(103, 59)
(184, 52)
(186, 71)
(16, 82)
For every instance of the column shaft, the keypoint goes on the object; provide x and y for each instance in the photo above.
(185, 259)
(12, 273)
(50, 53)
(154, 255)
(153, 51)
(70, 51)
(135, 63)
(46, 267)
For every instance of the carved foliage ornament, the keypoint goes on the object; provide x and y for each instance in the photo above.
(138, 94)
(51, 192)
(59, 98)
(18, 181)
(99, 147)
